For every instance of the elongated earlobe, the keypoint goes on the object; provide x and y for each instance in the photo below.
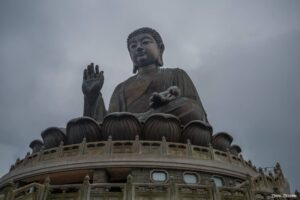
(160, 61)
(135, 68)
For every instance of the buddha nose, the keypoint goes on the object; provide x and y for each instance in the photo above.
(139, 48)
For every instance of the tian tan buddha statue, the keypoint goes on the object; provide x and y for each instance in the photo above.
(152, 89)
(155, 104)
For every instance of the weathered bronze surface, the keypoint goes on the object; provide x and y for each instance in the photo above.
(162, 125)
(121, 126)
(53, 136)
(222, 141)
(156, 102)
(36, 145)
(151, 90)
(235, 149)
(83, 127)
(198, 133)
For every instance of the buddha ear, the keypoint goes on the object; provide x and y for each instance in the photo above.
(135, 68)
(160, 59)
(162, 48)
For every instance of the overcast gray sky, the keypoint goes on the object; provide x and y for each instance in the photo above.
(243, 56)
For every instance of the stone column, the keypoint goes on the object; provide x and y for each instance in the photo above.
(9, 191)
(215, 190)
(43, 194)
(85, 190)
(129, 189)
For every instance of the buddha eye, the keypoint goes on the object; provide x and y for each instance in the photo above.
(145, 42)
(132, 46)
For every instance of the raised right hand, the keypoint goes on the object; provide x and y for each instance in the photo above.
(92, 81)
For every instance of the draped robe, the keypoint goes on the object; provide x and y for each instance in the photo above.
(133, 94)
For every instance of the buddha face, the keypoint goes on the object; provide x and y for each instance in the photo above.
(144, 50)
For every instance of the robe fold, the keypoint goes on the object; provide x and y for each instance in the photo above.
(133, 94)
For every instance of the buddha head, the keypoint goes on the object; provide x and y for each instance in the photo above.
(145, 47)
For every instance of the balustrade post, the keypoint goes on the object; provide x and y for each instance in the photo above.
(129, 189)
(250, 164)
(164, 146)
(211, 151)
(82, 146)
(45, 189)
(278, 173)
(137, 144)
(228, 155)
(17, 161)
(242, 160)
(250, 188)
(273, 179)
(11, 168)
(41, 152)
(263, 176)
(26, 158)
(108, 146)
(85, 190)
(189, 148)
(60, 150)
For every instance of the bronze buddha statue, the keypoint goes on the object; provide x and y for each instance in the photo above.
(151, 90)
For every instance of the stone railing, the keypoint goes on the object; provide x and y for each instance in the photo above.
(131, 191)
(30, 191)
(166, 150)
(265, 184)
(156, 148)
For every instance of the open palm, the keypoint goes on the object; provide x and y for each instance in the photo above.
(92, 81)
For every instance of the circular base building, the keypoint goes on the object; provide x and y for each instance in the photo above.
(137, 169)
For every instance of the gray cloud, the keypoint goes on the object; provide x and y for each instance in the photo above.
(242, 56)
